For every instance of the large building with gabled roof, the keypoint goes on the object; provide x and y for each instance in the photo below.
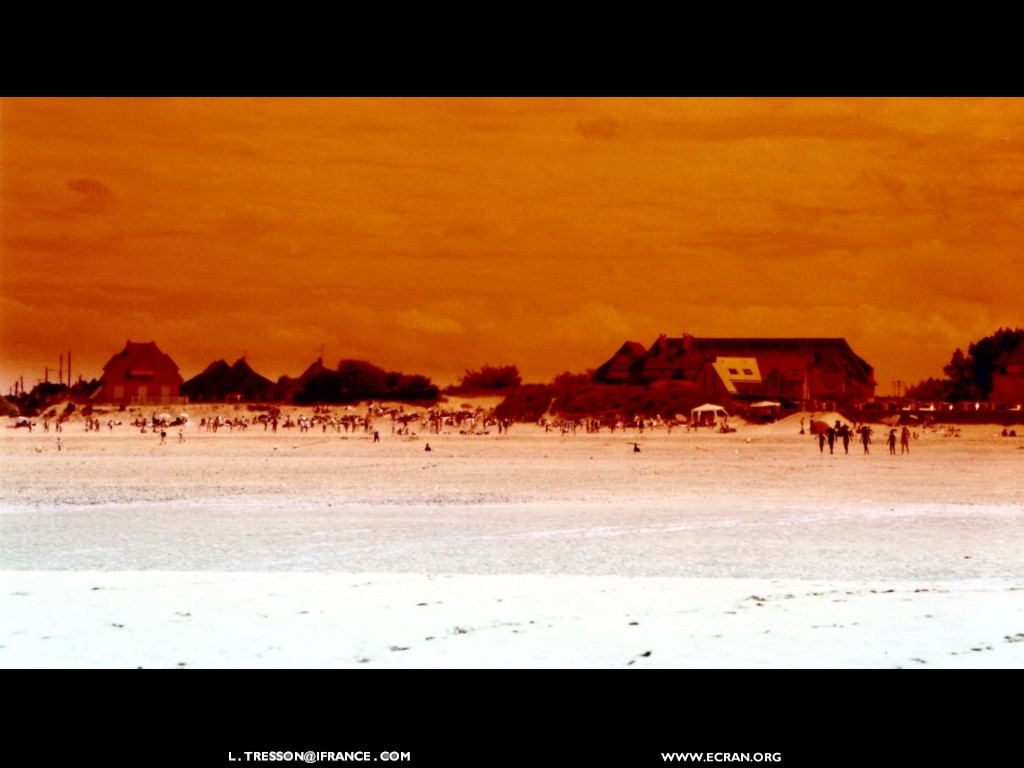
(801, 370)
(141, 374)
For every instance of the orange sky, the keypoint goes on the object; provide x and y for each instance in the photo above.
(434, 235)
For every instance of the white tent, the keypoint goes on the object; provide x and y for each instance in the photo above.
(707, 413)
(765, 410)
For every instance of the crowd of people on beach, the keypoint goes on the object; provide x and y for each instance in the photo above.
(844, 434)
(639, 423)
(412, 423)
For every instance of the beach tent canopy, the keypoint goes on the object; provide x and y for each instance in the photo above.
(709, 408)
(707, 413)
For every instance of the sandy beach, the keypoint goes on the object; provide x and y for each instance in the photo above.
(535, 549)
(583, 254)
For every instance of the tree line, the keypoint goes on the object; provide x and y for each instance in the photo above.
(969, 376)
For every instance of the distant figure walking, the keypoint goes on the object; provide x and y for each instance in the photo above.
(821, 442)
(905, 440)
(844, 432)
(376, 436)
(891, 440)
(865, 437)
(163, 436)
(181, 436)
(831, 439)
(426, 447)
(60, 444)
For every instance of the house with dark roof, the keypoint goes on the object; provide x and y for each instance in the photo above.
(289, 387)
(1008, 378)
(141, 374)
(620, 368)
(220, 382)
(802, 370)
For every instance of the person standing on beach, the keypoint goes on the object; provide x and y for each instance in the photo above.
(892, 441)
(831, 439)
(844, 433)
(905, 440)
(60, 444)
(821, 442)
(865, 437)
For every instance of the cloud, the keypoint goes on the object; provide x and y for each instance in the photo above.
(94, 196)
(426, 322)
(602, 129)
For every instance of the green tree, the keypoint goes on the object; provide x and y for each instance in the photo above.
(970, 375)
(930, 389)
(960, 375)
(986, 352)
(489, 377)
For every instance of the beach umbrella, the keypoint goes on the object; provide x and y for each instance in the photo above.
(819, 427)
